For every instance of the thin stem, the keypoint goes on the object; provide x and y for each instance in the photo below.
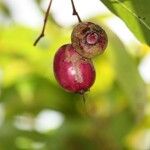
(83, 97)
(44, 24)
(75, 12)
(84, 102)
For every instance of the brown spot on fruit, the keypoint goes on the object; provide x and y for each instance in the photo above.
(89, 39)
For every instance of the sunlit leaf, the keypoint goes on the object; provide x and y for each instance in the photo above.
(136, 15)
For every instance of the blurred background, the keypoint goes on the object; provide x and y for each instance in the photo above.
(37, 114)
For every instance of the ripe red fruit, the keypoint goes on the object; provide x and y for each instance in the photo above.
(73, 73)
(89, 39)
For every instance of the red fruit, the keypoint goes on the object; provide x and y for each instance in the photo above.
(89, 39)
(73, 73)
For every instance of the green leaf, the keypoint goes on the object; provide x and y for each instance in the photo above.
(136, 15)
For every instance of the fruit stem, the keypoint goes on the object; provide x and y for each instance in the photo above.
(75, 12)
(84, 103)
(44, 24)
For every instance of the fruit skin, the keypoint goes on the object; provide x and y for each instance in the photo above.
(73, 72)
(89, 39)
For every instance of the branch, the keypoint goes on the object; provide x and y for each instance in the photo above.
(44, 24)
(75, 12)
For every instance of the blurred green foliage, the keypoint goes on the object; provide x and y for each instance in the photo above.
(115, 105)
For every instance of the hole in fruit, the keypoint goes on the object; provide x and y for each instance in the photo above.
(92, 38)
